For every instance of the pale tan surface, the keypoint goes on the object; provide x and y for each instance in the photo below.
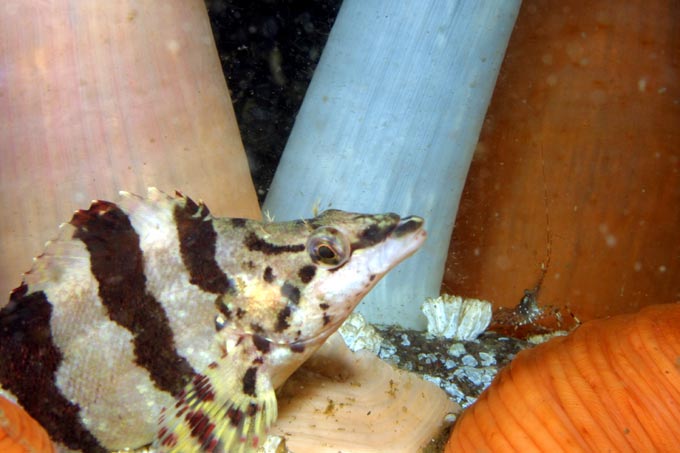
(97, 97)
(355, 402)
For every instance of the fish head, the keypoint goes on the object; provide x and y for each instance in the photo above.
(317, 270)
(351, 253)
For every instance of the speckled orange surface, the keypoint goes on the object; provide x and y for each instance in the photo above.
(611, 385)
(19, 433)
(589, 93)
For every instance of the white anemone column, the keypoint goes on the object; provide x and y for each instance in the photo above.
(390, 122)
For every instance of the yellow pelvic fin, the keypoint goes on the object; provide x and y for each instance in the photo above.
(229, 408)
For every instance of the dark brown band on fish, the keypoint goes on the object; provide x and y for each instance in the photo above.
(249, 380)
(25, 332)
(239, 223)
(197, 245)
(255, 243)
(117, 263)
(376, 233)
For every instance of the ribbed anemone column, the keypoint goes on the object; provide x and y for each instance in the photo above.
(97, 97)
(390, 122)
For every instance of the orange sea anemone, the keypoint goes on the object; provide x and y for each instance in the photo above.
(611, 385)
(19, 433)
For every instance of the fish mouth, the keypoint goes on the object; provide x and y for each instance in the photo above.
(409, 234)
(408, 225)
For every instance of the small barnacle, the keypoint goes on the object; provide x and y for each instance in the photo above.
(274, 444)
(453, 317)
(358, 334)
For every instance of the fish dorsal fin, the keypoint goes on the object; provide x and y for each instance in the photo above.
(229, 407)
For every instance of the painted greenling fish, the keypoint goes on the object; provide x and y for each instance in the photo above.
(152, 322)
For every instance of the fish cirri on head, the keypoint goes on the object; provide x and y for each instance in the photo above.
(150, 321)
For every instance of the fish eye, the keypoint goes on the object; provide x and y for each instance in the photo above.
(328, 247)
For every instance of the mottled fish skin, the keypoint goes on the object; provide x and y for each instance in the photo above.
(150, 320)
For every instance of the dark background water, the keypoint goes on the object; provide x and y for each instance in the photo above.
(269, 50)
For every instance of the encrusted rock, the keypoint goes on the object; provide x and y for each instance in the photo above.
(358, 334)
(274, 444)
(453, 317)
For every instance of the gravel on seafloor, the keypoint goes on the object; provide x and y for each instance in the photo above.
(463, 369)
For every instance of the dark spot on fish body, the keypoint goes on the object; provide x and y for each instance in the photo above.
(252, 409)
(371, 234)
(307, 273)
(282, 319)
(324, 306)
(297, 348)
(326, 319)
(291, 292)
(235, 416)
(261, 344)
(30, 361)
(240, 312)
(249, 381)
(268, 275)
